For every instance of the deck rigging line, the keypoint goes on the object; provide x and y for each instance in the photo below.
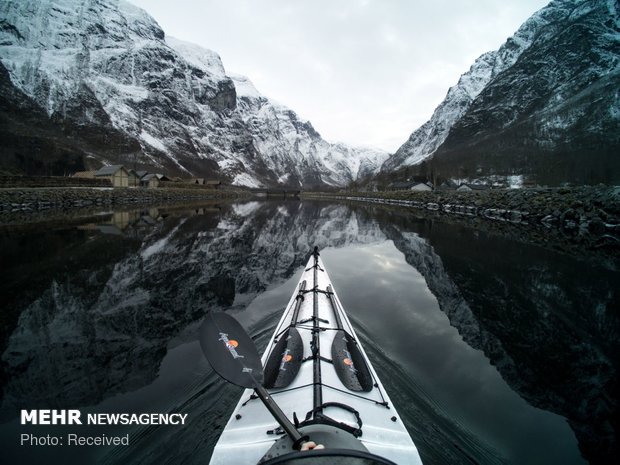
(315, 345)
(316, 415)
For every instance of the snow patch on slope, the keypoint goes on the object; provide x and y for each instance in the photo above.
(172, 97)
(200, 57)
(424, 141)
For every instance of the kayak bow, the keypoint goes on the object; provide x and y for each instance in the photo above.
(315, 369)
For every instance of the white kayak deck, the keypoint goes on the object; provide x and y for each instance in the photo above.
(246, 439)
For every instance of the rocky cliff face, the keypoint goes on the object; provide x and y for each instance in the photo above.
(546, 104)
(26, 132)
(105, 76)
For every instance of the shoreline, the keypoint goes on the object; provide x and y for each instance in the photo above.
(583, 206)
(23, 205)
(582, 217)
(585, 217)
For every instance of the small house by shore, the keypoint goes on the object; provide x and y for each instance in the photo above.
(473, 187)
(134, 178)
(84, 174)
(410, 186)
(150, 180)
(117, 174)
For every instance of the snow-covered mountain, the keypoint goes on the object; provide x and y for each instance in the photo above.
(104, 73)
(292, 142)
(545, 104)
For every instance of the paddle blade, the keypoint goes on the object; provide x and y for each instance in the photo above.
(285, 360)
(350, 364)
(230, 351)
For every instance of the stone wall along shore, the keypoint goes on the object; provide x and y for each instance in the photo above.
(581, 211)
(21, 200)
(7, 182)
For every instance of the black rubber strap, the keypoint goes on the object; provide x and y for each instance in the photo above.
(321, 418)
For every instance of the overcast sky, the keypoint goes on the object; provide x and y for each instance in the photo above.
(364, 72)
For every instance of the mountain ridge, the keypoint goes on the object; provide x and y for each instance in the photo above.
(107, 68)
(546, 105)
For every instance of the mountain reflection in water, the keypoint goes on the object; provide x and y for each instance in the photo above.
(493, 351)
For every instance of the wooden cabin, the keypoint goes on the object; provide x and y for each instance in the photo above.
(213, 183)
(150, 180)
(410, 186)
(421, 187)
(117, 174)
(134, 178)
(84, 174)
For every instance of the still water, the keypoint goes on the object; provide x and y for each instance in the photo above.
(492, 350)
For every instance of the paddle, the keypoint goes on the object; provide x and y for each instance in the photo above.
(233, 356)
(347, 358)
(285, 359)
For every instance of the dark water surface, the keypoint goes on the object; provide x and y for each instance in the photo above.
(492, 350)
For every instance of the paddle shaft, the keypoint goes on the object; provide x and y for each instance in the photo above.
(240, 364)
(300, 298)
(273, 408)
(350, 365)
(316, 348)
(330, 295)
(286, 357)
(280, 417)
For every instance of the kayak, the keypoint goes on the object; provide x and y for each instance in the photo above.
(314, 383)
